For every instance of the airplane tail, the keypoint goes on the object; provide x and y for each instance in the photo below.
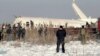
(78, 11)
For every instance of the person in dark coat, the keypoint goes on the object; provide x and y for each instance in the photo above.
(23, 32)
(0, 35)
(40, 31)
(9, 30)
(32, 24)
(61, 34)
(19, 31)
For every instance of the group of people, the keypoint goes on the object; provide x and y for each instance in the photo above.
(19, 32)
(11, 32)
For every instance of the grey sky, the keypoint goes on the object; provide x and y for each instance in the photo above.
(46, 8)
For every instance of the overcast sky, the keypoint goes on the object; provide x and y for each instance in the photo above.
(46, 8)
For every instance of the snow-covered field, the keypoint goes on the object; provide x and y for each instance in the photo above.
(73, 48)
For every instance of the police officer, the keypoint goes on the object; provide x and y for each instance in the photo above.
(61, 34)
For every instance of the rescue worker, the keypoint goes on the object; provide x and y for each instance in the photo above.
(61, 34)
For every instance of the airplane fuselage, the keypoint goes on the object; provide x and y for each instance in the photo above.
(55, 22)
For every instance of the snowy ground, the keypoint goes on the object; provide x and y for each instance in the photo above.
(73, 48)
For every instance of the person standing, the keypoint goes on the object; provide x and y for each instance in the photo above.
(19, 31)
(4, 32)
(40, 31)
(61, 34)
(32, 24)
(23, 33)
(9, 32)
(83, 35)
(14, 31)
(0, 35)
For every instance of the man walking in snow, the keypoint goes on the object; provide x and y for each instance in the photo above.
(61, 34)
